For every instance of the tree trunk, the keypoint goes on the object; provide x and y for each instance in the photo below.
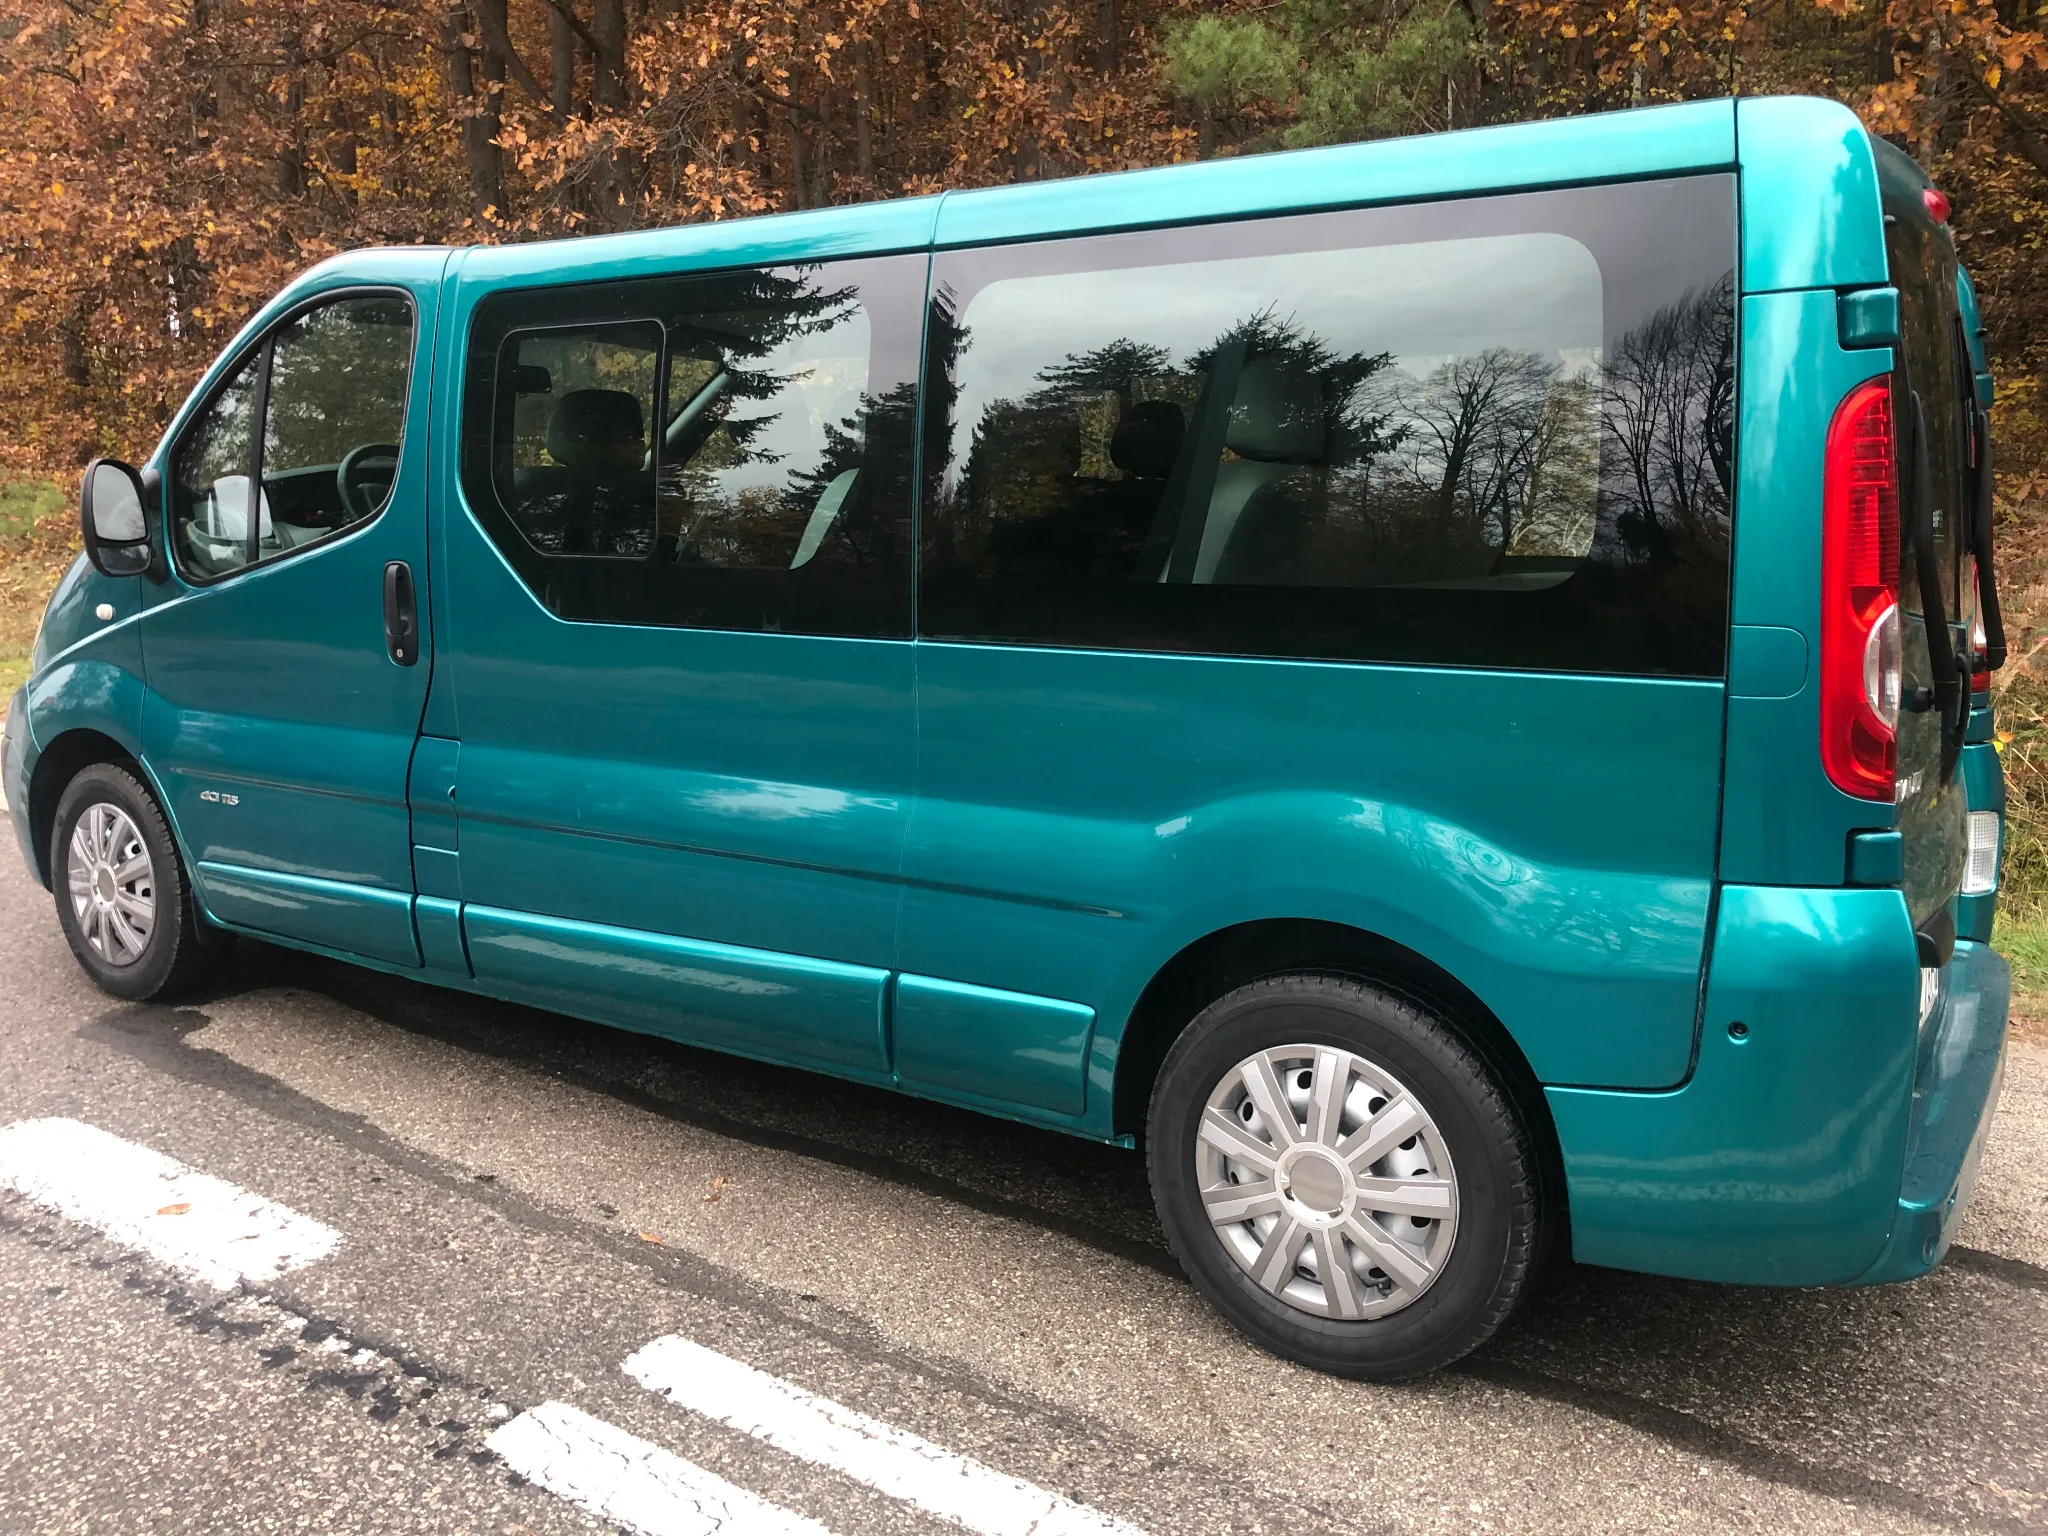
(1109, 26)
(821, 150)
(796, 157)
(561, 63)
(480, 152)
(608, 32)
(747, 151)
(390, 127)
(291, 155)
(343, 152)
(863, 111)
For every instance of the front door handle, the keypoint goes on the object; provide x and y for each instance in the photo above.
(401, 615)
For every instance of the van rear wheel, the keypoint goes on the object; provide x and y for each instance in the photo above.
(1339, 1173)
(123, 900)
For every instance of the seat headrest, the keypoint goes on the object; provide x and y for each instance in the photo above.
(1277, 413)
(1147, 440)
(597, 429)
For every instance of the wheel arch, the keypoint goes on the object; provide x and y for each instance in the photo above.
(1221, 961)
(68, 754)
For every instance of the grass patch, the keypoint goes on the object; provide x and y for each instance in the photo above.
(2022, 938)
(24, 503)
(38, 537)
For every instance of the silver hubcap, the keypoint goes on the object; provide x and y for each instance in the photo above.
(1327, 1181)
(113, 884)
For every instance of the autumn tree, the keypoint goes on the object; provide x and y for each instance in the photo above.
(166, 165)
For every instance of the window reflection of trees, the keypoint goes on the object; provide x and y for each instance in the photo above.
(737, 340)
(337, 381)
(1668, 453)
(1499, 466)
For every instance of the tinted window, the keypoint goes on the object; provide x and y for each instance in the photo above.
(210, 484)
(1934, 366)
(730, 450)
(331, 383)
(575, 471)
(1496, 432)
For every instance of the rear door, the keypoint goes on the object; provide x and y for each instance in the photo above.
(1934, 384)
(278, 721)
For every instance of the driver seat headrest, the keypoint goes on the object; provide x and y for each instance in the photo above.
(1147, 439)
(597, 429)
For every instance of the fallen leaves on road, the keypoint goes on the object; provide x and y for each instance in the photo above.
(649, 1237)
(717, 1187)
(175, 1210)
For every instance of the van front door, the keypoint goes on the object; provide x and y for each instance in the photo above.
(679, 642)
(284, 700)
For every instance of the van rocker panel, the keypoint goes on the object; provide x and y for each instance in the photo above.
(334, 914)
(787, 1006)
(1779, 1161)
(1006, 1047)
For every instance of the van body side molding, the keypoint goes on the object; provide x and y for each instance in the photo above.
(953, 1038)
(757, 1001)
(336, 914)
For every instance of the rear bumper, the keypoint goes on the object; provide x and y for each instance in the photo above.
(1825, 1142)
(1955, 1087)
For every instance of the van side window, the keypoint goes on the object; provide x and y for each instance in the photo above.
(723, 451)
(330, 384)
(210, 479)
(1494, 432)
(576, 474)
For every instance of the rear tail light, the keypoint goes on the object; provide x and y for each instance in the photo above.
(1860, 643)
(1980, 866)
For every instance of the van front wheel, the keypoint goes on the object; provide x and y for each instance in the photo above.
(1340, 1174)
(122, 898)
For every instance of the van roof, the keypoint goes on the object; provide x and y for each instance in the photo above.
(1807, 163)
(1652, 141)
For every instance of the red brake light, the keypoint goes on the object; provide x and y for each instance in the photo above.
(1937, 205)
(1860, 648)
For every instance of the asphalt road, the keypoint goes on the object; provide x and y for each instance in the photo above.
(523, 1201)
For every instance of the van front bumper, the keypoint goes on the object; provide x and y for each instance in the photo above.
(1823, 1137)
(15, 751)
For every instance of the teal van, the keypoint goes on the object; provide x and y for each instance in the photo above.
(1437, 686)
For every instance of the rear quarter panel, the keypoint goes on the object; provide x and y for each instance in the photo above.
(1548, 840)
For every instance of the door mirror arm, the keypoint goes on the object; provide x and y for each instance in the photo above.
(159, 570)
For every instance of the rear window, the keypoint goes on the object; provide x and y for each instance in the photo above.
(1934, 365)
(1496, 432)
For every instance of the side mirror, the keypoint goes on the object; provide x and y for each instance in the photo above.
(110, 515)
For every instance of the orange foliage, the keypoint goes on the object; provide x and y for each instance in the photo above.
(165, 165)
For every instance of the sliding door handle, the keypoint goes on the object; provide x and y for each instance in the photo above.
(401, 615)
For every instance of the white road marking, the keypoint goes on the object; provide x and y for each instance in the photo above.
(621, 1477)
(900, 1464)
(200, 1225)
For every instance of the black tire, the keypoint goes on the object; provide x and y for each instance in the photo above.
(181, 948)
(1496, 1237)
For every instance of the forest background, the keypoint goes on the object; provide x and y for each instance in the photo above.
(165, 165)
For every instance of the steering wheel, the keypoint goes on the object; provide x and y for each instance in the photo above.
(345, 472)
